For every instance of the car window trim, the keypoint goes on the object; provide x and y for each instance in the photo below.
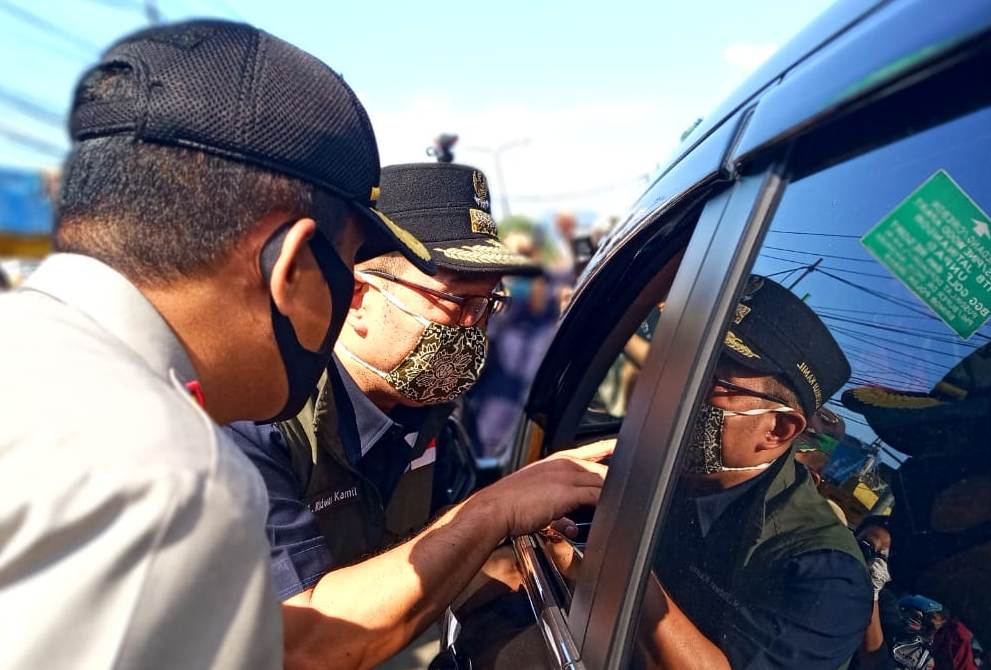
(551, 620)
(719, 254)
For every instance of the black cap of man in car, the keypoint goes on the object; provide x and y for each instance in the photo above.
(353, 473)
(756, 570)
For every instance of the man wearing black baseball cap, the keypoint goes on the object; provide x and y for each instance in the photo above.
(360, 468)
(754, 568)
(219, 190)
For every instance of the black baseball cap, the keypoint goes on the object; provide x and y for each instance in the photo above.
(447, 206)
(774, 332)
(235, 91)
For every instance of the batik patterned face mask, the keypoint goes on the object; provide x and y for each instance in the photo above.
(444, 363)
(705, 450)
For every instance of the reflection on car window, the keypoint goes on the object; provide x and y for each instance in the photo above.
(835, 499)
(603, 417)
(613, 396)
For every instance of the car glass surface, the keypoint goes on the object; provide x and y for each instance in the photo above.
(752, 557)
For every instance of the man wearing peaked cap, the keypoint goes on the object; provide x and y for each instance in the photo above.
(218, 192)
(364, 465)
(754, 569)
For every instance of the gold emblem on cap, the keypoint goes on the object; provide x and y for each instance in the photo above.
(375, 193)
(481, 189)
(482, 223)
(741, 312)
(879, 397)
(490, 252)
(737, 345)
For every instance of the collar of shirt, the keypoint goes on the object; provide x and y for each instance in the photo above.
(117, 306)
(372, 423)
(708, 508)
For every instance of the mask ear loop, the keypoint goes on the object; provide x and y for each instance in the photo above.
(398, 305)
(301, 363)
(271, 251)
(758, 411)
(754, 412)
(396, 302)
(365, 364)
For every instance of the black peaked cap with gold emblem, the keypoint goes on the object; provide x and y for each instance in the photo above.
(447, 207)
(774, 332)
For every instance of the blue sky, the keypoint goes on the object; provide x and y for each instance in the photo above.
(601, 91)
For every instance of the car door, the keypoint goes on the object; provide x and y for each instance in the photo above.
(629, 278)
(787, 188)
(874, 214)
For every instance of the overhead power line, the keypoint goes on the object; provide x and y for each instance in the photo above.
(34, 109)
(895, 300)
(930, 335)
(804, 232)
(914, 317)
(30, 142)
(30, 18)
(803, 264)
(817, 254)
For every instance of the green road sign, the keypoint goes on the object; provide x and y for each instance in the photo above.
(937, 242)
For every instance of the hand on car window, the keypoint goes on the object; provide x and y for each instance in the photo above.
(542, 492)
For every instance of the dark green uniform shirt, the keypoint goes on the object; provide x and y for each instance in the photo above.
(767, 572)
(344, 479)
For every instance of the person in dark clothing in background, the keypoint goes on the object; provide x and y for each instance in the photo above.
(874, 538)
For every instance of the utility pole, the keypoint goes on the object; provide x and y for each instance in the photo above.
(151, 12)
(497, 160)
(808, 270)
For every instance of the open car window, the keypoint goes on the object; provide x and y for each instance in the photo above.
(840, 452)
(614, 383)
(612, 397)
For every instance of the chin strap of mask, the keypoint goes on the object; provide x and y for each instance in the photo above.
(303, 367)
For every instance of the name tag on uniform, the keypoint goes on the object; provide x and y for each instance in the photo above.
(429, 456)
(334, 499)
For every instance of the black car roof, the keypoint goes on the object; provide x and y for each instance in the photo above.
(825, 28)
(856, 52)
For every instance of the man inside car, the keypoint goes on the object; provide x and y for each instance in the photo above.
(353, 473)
(753, 569)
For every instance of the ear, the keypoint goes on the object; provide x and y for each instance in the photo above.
(358, 313)
(786, 427)
(294, 259)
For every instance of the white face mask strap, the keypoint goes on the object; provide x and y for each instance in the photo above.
(354, 357)
(754, 412)
(761, 466)
(394, 300)
(759, 411)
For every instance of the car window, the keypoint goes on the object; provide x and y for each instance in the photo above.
(838, 472)
(603, 415)
(630, 342)
(613, 395)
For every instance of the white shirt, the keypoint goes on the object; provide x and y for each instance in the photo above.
(131, 528)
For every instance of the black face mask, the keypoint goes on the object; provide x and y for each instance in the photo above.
(304, 367)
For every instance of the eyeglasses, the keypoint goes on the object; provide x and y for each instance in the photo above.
(474, 308)
(736, 389)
